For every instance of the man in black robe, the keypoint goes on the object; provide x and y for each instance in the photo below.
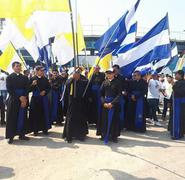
(109, 126)
(16, 119)
(136, 117)
(177, 114)
(95, 108)
(123, 98)
(39, 105)
(75, 124)
(56, 95)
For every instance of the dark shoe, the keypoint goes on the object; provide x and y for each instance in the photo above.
(3, 123)
(163, 118)
(82, 139)
(10, 141)
(69, 141)
(115, 140)
(35, 133)
(101, 139)
(24, 138)
(45, 133)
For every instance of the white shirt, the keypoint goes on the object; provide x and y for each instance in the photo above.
(168, 90)
(3, 81)
(154, 87)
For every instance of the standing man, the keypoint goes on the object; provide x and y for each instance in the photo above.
(123, 97)
(76, 124)
(136, 113)
(17, 87)
(56, 94)
(39, 106)
(177, 115)
(168, 89)
(109, 127)
(95, 107)
(154, 90)
(3, 95)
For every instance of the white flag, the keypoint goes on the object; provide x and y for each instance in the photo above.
(63, 50)
(49, 24)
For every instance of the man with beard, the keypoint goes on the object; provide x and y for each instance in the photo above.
(39, 106)
(17, 87)
(109, 127)
(95, 107)
(76, 124)
(136, 120)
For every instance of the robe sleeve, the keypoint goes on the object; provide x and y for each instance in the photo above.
(118, 92)
(9, 86)
(102, 91)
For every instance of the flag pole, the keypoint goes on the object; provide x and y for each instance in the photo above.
(78, 62)
(101, 55)
(74, 44)
(23, 61)
(73, 34)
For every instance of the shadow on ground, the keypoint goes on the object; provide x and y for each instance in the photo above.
(120, 175)
(47, 141)
(6, 172)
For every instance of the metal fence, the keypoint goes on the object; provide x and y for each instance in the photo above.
(96, 30)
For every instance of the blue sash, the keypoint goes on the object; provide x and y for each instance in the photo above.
(176, 117)
(21, 113)
(96, 90)
(45, 101)
(110, 117)
(122, 112)
(55, 101)
(139, 111)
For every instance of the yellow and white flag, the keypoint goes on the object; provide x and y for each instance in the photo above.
(104, 64)
(63, 45)
(8, 56)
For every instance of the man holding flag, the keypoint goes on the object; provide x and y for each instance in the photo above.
(109, 127)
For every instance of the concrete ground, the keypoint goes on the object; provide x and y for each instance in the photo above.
(150, 156)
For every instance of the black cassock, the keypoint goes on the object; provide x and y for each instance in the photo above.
(17, 122)
(55, 100)
(76, 120)
(177, 112)
(109, 126)
(123, 99)
(39, 105)
(136, 116)
(94, 105)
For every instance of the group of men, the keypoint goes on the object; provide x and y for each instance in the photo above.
(107, 100)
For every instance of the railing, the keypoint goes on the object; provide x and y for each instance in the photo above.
(97, 30)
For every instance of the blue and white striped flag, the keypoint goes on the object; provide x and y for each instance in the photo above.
(122, 33)
(154, 47)
(173, 62)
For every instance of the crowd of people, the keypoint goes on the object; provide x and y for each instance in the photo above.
(107, 100)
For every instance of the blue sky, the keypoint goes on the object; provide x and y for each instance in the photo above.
(97, 12)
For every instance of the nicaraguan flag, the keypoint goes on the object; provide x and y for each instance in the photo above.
(119, 34)
(173, 62)
(154, 47)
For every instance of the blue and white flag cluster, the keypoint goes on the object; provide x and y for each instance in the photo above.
(174, 59)
(154, 48)
(122, 33)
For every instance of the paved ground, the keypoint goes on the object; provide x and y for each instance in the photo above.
(136, 157)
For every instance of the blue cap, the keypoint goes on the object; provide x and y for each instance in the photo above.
(144, 72)
(154, 73)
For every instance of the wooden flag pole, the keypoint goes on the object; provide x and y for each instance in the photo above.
(73, 35)
(23, 61)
